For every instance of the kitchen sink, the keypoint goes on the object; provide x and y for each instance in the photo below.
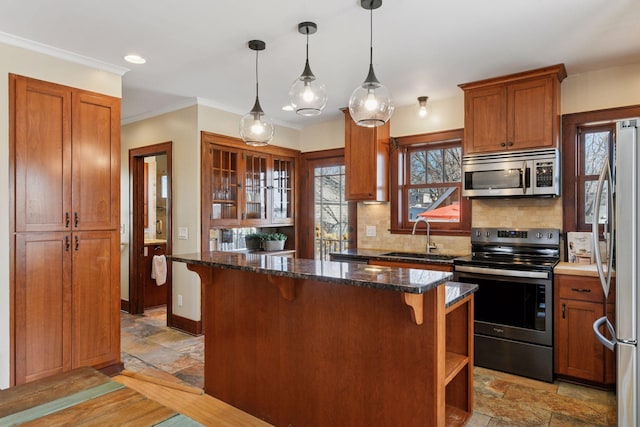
(421, 256)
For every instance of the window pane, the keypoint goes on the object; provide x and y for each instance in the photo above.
(589, 198)
(452, 165)
(441, 204)
(435, 166)
(418, 167)
(331, 212)
(596, 149)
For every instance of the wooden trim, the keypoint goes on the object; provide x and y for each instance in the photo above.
(12, 229)
(322, 154)
(229, 141)
(124, 305)
(557, 70)
(191, 327)
(136, 220)
(570, 124)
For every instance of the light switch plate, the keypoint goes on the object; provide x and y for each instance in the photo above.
(183, 233)
(371, 231)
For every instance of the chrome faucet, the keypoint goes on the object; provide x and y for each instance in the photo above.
(426, 221)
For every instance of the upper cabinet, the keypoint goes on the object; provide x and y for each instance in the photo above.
(76, 134)
(246, 187)
(366, 154)
(514, 112)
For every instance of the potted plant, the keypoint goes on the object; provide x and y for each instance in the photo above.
(274, 241)
(254, 240)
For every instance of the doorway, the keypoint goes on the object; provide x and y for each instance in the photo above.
(150, 177)
(330, 226)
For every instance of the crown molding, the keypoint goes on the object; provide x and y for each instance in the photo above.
(66, 55)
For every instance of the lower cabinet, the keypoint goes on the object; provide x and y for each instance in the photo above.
(578, 353)
(67, 301)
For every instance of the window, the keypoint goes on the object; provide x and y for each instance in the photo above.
(587, 138)
(595, 145)
(426, 182)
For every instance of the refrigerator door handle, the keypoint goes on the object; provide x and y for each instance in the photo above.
(605, 176)
(609, 343)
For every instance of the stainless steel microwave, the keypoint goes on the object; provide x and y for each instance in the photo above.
(512, 174)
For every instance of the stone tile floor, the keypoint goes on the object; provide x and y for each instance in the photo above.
(501, 399)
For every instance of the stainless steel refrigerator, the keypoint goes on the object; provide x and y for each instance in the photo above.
(618, 215)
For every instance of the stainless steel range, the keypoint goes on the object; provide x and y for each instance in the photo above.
(514, 302)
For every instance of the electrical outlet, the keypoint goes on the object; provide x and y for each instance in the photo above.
(371, 231)
(179, 300)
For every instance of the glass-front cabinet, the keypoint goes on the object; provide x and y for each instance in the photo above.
(282, 190)
(246, 188)
(224, 187)
(255, 188)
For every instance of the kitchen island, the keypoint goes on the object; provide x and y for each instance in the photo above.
(315, 343)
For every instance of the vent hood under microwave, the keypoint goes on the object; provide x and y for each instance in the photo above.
(527, 173)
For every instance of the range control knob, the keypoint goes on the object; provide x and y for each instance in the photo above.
(550, 235)
(478, 233)
(539, 235)
(488, 234)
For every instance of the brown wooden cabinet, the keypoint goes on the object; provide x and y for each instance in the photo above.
(246, 188)
(65, 152)
(515, 112)
(366, 155)
(578, 354)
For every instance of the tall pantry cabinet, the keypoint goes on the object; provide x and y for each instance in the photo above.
(65, 158)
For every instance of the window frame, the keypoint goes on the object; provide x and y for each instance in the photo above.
(571, 124)
(399, 182)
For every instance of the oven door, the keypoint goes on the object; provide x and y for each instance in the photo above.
(510, 306)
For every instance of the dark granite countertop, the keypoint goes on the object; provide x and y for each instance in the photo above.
(364, 255)
(409, 280)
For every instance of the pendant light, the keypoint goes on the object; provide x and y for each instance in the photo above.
(256, 129)
(307, 95)
(371, 104)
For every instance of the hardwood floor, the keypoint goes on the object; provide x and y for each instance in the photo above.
(500, 399)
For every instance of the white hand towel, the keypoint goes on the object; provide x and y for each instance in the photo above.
(159, 269)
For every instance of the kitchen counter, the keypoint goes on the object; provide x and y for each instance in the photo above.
(574, 269)
(388, 278)
(154, 242)
(305, 342)
(365, 255)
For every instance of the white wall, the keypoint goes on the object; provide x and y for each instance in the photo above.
(183, 128)
(27, 63)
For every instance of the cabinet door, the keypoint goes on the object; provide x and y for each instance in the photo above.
(579, 353)
(485, 115)
(96, 161)
(221, 186)
(256, 176)
(530, 114)
(42, 305)
(366, 155)
(42, 155)
(96, 298)
(282, 190)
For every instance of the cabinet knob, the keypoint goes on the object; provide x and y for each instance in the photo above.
(510, 143)
(502, 144)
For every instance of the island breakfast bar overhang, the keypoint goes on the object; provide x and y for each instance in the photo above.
(301, 342)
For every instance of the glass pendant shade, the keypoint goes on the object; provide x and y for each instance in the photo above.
(371, 104)
(307, 95)
(256, 129)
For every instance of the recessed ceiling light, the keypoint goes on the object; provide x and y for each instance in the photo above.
(135, 59)
(287, 108)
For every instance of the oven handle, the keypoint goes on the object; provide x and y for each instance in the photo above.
(502, 272)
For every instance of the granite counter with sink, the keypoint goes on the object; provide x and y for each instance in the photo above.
(365, 255)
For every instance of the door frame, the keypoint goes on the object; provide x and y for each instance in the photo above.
(136, 219)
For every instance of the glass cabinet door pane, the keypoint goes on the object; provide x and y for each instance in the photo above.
(224, 184)
(256, 187)
(282, 186)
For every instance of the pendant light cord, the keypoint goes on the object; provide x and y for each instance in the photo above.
(256, 74)
(371, 35)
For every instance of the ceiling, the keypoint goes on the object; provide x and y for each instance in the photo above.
(197, 49)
